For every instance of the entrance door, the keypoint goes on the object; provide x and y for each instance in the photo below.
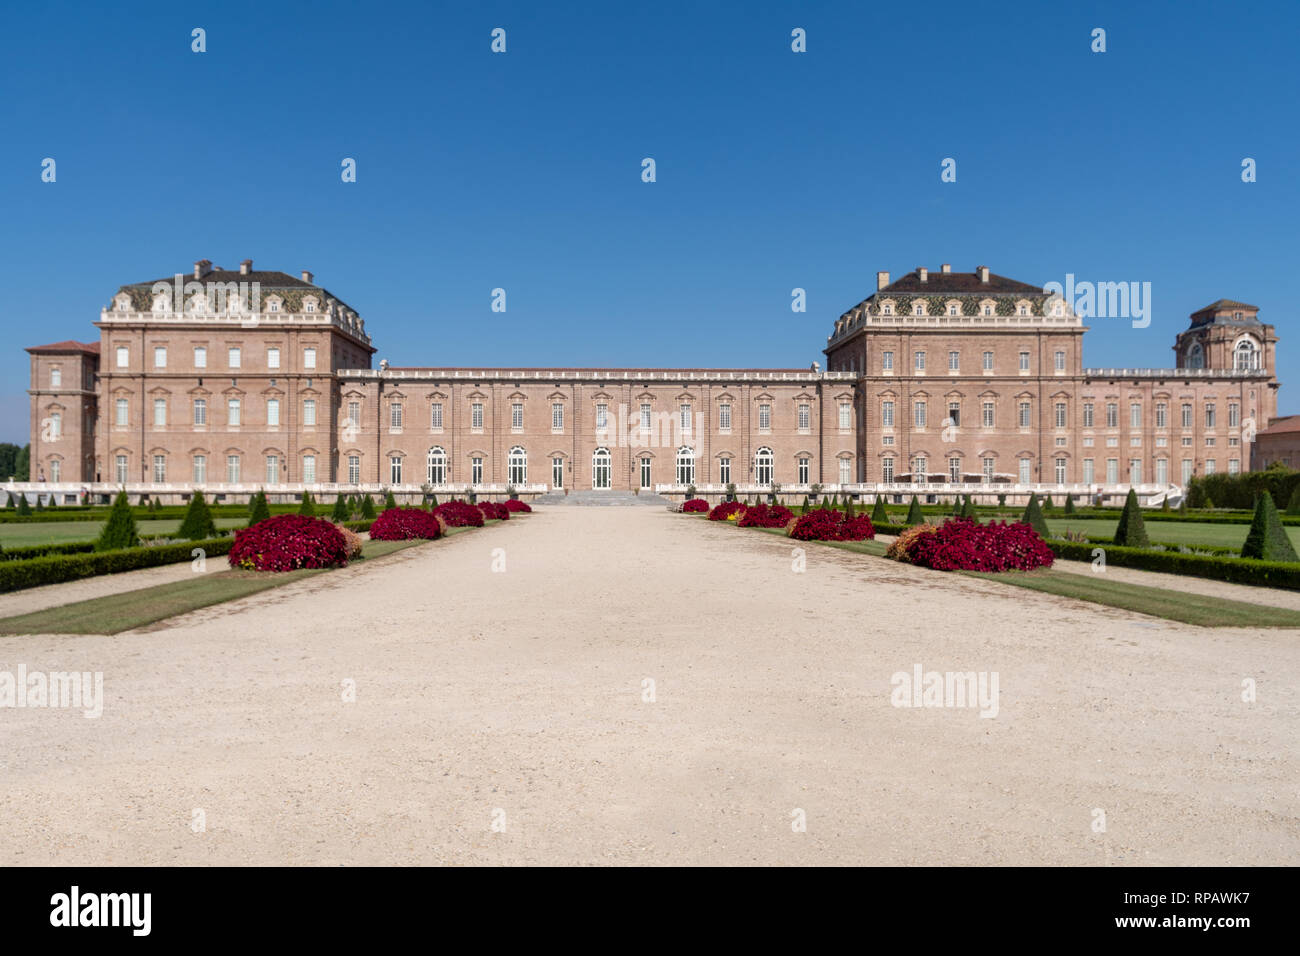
(600, 469)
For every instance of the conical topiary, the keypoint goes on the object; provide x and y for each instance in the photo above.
(120, 530)
(308, 506)
(807, 502)
(10, 506)
(367, 508)
(1182, 505)
(849, 510)
(340, 512)
(878, 513)
(1069, 504)
(23, 507)
(1033, 517)
(433, 502)
(198, 524)
(258, 509)
(390, 501)
(1293, 506)
(1132, 531)
(1267, 540)
(914, 515)
(968, 509)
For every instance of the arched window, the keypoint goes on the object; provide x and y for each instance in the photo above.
(1245, 355)
(1195, 356)
(517, 466)
(436, 471)
(685, 466)
(600, 470)
(763, 466)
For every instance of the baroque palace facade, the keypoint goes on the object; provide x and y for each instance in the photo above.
(233, 380)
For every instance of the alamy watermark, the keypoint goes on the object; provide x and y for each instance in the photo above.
(1104, 300)
(61, 689)
(922, 688)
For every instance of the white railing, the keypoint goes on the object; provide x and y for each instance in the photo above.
(239, 489)
(1148, 493)
(602, 374)
(1173, 372)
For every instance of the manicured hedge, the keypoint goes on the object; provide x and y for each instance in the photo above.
(43, 550)
(1241, 490)
(54, 569)
(1267, 574)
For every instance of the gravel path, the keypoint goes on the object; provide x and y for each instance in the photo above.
(520, 698)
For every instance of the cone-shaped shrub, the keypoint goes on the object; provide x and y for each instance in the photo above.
(1132, 530)
(367, 508)
(878, 513)
(1164, 505)
(340, 512)
(258, 509)
(807, 502)
(308, 507)
(389, 501)
(433, 502)
(23, 507)
(1267, 539)
(198, 524)
(1293, 506)
(914, 515)
(850, 511)
(1033, 517)
(1069, 504)
(10, 506)
(969, 510)
(1182, 505)
(1209, 503)
(120, 531)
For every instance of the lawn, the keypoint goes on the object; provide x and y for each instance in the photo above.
(1171, 532)
(25, 535)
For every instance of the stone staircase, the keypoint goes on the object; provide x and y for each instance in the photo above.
(602, 497)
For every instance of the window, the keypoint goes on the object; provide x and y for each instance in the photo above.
(557, 472)
(954, 470)
(120, 466)
(988, 361)
(395, 469)
(846, 471)
(645, 415)
(887, 470)
(309, 306)
(920, 469)
(763, 466)
(846, 415)
(887, 361)
(1234, 466)
(1112, 471)
(987, 412)
(436, 466)
(1162, 415)
(200, 357)
(1135, 471)
(233, 357)
(764, 417)
(920, 362)
(232, 412)
(1209, 415)
(56, 425)
(602, 417)
(803, 471)
(272, 358)
(805, 417)
(887, 414)
(159, 412)
(1087, 414)
(517, 472)
(273, 305)
(56, 377)
(1059, 361)
(988, 466)
(1134, 415)
(1234, 415)
(918, 412)
(1060, 471)
(354, 469)
(309, 412)
(1024, 415)
(354, 414)
(517, 415)
(476, 470)
(1026, 471)
(159, 468)
(309, 469)
(160, 356)
(476, 415)
(1089, 469)
(724, 416)
(1060, 414)
(1112, 415)
(1024, 361)
(954, 361)
(1245, 355)
(395, 416)
(954, 413)
(309, 358)
(557, 416)
(1187, 471)
(686, 417)
(724, 470)
(200, 469)
(272, 469)
(232, 469)
(685, 466)
(645, 471)
(273, 412)
(120, 412)
(1162, 471)
(1187, 415)
(123, 357)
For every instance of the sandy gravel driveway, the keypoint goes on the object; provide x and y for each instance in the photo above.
(520, 701)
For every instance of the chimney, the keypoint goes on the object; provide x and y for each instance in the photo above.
(946, 267)
(202, 268)
(306, 276)
(882, 280)
(922, 273)
(983, 273)
(246, 267)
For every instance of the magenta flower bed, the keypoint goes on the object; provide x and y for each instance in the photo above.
(515, 505)
(404, 524)
(826, 525)
(287, 543)
(960, 544)
(765, 516)
(695, 506)
(460, 514)
(725, 510)
(494, 510)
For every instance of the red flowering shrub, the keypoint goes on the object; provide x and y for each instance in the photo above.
(494, 510)
(514, 504)
(960, 544)
(826, 525)
(725, 510)
(403, 524)
(460, 514)
(764, 516)
(695, 506)
(289, 542)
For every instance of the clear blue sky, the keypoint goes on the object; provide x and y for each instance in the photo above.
(523, 171)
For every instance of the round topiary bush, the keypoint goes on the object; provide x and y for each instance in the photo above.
(459, 514)
(404, 524)
(287, 543)
(964, 545)
(826, 525)
(514, 505)
(766, 516)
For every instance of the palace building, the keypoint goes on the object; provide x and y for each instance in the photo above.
(234, 380)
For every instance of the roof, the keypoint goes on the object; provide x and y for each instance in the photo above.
(266, 280)
(1289, 424)
(959, 283)
(1226, 305)
(67, 345)
(1224, 312)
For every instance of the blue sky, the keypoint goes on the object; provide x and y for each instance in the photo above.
(522, 170)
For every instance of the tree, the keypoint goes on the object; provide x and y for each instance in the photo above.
(258, 509)
(433, 502)
(1002, 501)
(1069, 504)
(198, 524)
(340, 512)
(1293, 506)
(1267, 540)
(807, 502)
(914, 515)
(849, 510)
(1182, 505)
(1033, 517)
(969, 510)
(9, 462)
(1132, 531)
(389, 501)
(10, 505)
(308, 507)
(23, 507)
(878, 513)
(367, 508)
(120, 530)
